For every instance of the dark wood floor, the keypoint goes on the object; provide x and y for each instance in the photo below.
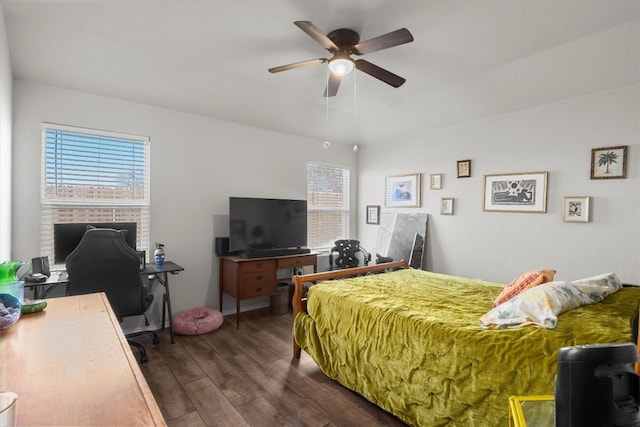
(248, 377)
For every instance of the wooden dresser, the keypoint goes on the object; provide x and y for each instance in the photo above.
(244, 278)
(71, 365)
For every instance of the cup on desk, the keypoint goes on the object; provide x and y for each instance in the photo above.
(8, 409)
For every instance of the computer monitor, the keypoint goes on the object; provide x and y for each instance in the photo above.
(66, 236)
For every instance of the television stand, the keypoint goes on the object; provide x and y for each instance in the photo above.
(244, 278)
(274, 252)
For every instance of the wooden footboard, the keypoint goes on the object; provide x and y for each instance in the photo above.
(300, 301)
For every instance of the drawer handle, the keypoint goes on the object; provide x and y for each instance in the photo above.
(259, 289)
(259, 277)
(259, 265)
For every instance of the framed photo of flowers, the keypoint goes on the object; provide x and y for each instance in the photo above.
(609, 162)
(435, 180)
(575, 209)
(464, 168)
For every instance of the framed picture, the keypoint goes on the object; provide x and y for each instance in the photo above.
(515, 192)
(435, 180)
(464, 168)
(373, 214)
(403, 191)
(446, 206)
(609, 162)
(575, 209)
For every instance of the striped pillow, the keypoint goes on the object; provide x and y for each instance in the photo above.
(522, 283)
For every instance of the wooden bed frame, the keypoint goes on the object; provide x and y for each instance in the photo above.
(300, 301)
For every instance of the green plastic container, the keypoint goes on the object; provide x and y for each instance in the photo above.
(11, 293)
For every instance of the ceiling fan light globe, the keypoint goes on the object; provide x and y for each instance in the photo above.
(341, 66)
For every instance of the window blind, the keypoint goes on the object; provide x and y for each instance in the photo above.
(93, 176)
(327, 204)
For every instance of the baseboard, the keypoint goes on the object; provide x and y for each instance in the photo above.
(247, 307)
(228, 312)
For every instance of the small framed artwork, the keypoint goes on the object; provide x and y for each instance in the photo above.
(403, 191)
(435, 180)
(464, 168)
(609, 162)
(446, 206)
(515, 192)
(575, 209)
(373, 214)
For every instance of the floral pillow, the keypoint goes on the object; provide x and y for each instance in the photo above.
(541, 305)
(522, 283)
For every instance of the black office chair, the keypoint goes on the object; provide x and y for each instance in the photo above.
(347, 254)
(103, 262)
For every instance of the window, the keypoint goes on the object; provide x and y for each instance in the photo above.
(93, 176)
(327, 204)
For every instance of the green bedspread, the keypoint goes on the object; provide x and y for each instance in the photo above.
(410, 341)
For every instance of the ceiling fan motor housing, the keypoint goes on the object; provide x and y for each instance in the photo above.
(345, 39)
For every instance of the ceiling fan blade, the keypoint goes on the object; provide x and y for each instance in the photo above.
(297, 65)
(379, 73)
(332, 85)
(384, 41)
(317, 35)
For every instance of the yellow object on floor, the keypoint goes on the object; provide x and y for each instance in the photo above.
(535, 411)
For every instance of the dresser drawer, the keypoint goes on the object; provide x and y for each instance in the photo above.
(297, 261)
(257, 285)
(258, 265)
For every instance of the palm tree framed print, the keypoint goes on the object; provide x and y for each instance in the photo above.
(609, 162)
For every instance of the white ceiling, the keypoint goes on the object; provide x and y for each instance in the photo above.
(471, 59)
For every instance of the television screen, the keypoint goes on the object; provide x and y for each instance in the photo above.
(256, 223)
(66, 236)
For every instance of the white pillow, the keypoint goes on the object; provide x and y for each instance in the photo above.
(542, 304)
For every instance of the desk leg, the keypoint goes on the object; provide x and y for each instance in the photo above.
(163, 278)
(167, 304)
(164, 308)
(237, 312)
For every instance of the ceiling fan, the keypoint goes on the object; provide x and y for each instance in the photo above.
(343, 43)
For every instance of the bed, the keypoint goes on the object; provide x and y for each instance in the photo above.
(410, 341)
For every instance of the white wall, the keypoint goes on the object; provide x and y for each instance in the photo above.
(6, 82)
(496, 246)
(196, 164)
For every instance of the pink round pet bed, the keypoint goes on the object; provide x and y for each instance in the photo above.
(197, 321)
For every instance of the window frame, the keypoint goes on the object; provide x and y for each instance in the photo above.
(49, 204)
(345, 209)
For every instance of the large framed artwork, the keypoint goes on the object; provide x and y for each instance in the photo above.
(515, 192)
(403, 191)
(609, 162)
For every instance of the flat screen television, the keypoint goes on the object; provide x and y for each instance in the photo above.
(267, 227)
(66, 236)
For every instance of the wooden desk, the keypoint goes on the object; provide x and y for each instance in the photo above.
(244, 278)
(71, 365)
